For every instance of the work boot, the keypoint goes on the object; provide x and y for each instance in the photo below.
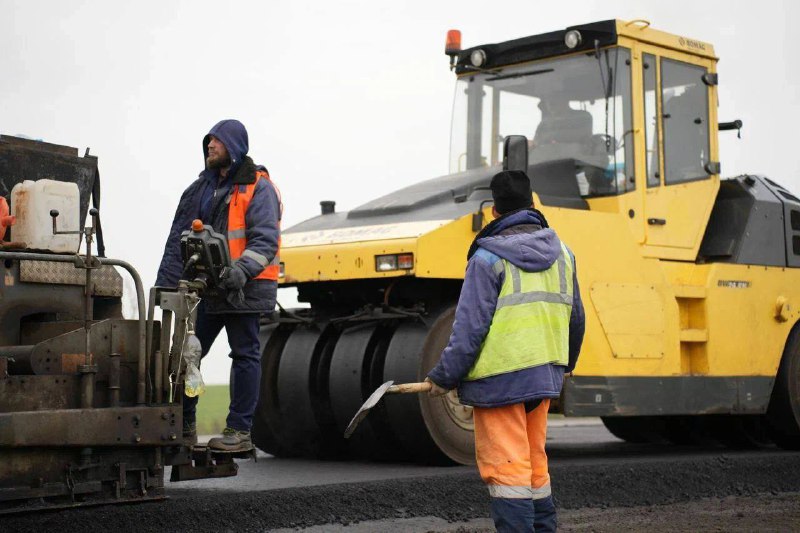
(190, 433)
(232, 440)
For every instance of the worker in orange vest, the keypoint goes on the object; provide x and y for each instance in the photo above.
(238, 199)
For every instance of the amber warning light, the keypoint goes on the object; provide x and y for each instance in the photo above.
(452, 46)
(197, 225)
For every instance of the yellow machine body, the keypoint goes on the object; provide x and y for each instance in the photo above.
(657, 306)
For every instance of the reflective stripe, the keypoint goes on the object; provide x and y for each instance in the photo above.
(517, 282)
(236, 234)
(532, 297)
(260, 259)
(505, 491)
(515, 278)
(498, 268)
(562, 272)
(276, 261)
(542, 492)
(533, 310)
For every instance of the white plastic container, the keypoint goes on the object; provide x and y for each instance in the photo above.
(31, 202)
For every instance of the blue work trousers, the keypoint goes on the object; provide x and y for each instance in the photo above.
(242, 330)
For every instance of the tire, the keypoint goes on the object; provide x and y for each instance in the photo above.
(266, 422)
(449, 423)
(299, 429)
(403, 364)
(783, 413)
(688, 430)
(740, 432)
(635, 429)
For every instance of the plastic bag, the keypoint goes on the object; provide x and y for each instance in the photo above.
(193, 380)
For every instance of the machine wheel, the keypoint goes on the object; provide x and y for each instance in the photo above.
(743, 432)
(266, 421)
(783, 414)
(635, 429)
(449, 423)
(356, 362)
(300, 431)
(688, 430)
(404, 411)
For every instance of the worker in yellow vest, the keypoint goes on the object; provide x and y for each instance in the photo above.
(518, 328)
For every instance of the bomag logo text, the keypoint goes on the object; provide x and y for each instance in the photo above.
(691, 43)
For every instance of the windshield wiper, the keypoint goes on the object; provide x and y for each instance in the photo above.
(521, 74)
(483, 70)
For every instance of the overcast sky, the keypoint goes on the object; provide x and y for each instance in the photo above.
(343, 100)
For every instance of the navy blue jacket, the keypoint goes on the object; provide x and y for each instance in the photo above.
(207, 198)
(523, 239)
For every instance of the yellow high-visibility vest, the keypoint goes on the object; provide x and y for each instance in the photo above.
(530, 326)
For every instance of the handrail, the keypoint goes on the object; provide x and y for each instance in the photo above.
(75, 260)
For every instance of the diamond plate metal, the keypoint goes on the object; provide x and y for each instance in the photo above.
(106, 280)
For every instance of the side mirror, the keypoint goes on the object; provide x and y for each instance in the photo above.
(515, 153)
(477, 221)
(477, 217)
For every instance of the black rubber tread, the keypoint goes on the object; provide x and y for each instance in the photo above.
(635, 429)
(335, 445)
(688, 430)
(266, 422)
(783, 413)
(349, 386)
(403, 411)
(740, 432)
(300, 431)
(457, 443)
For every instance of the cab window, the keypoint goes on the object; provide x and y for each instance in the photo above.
(684, 98)
(575, 111)
(650, 120)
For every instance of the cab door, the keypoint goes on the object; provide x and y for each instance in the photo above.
(680, 153)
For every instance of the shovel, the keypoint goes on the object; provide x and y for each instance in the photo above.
(375, 397)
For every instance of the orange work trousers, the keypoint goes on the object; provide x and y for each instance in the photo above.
(509, 447)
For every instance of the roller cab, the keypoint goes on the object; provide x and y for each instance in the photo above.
(688, 280)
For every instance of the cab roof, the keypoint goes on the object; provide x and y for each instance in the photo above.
(600, 34)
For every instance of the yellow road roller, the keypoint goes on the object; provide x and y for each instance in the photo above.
(690, 281)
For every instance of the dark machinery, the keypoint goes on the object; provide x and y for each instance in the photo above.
(90, 401)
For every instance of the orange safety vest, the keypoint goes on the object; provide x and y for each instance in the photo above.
(237, 240)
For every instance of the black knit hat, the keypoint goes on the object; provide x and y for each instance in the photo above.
(511, 190)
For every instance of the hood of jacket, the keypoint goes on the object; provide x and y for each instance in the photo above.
(233, 135)
(524, 239)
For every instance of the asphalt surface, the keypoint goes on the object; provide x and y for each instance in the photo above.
(568, 438)
(590, 469)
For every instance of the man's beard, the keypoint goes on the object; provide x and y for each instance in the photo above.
(218, 162)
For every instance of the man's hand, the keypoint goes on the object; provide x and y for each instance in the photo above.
(234, 279)
(436, 390)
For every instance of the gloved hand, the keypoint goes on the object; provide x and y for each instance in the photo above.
(436, 390)
(234, 279)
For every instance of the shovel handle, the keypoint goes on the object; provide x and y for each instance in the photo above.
(407, 388)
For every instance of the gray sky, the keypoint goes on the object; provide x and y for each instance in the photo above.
(343, 100)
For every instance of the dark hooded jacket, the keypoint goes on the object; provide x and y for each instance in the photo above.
(523, 239)
(207, 198)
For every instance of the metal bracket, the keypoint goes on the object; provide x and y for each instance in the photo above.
(207, 463)
(711, 79)
(713, 167)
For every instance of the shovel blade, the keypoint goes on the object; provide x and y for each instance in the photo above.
(362, 413)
